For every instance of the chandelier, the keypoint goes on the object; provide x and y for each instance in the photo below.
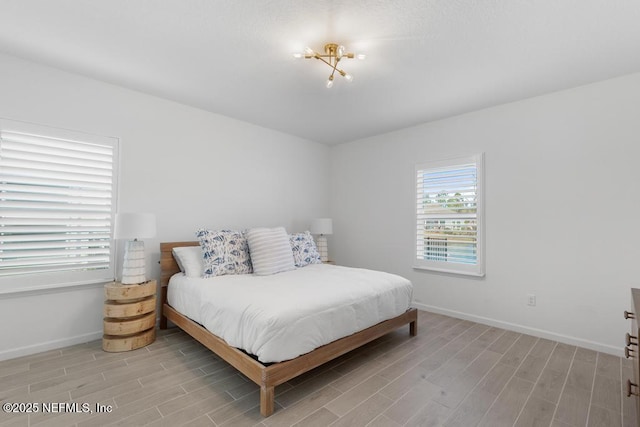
(333, 54)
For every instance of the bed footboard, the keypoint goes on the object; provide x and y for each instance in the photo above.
(268, 377)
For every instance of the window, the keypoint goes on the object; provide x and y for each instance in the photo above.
(449, 216)
(57, 203)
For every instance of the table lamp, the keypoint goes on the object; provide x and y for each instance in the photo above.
(134, 226)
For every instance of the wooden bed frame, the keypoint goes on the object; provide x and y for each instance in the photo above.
(268, 376)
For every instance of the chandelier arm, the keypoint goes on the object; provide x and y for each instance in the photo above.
(334, 67)
(318, 56)
(323, 60)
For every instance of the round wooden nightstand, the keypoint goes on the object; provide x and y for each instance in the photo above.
(129, 316)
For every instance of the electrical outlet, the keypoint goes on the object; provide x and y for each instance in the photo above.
(531, 300)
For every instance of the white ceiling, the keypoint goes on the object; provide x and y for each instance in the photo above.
(426, 59)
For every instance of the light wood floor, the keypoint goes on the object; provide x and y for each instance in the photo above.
(454, 373)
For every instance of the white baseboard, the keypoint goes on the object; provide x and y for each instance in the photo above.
(52, 345)
(49, 345)
(540, 333)
(604, 348)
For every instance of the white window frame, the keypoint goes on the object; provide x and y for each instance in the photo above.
(419, 262)
(54, 195)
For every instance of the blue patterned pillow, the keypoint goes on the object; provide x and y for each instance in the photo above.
(304, 249)
(224, 252)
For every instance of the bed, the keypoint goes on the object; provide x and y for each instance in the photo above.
(263, 372)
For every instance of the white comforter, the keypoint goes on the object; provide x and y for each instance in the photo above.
(282, 316)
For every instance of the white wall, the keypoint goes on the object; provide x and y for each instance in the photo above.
(189, 167)
(562, 199)
(562, 207)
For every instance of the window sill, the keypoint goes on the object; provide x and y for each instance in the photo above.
(450, 271)
(20, 291)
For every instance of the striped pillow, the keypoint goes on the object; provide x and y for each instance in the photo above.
(270, 250)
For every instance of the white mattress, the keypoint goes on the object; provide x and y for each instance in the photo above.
(288, 314)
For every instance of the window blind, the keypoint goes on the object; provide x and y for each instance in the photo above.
(56, 205)
(449, 216)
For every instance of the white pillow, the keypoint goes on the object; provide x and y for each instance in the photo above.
(270, 250)
(190, 260)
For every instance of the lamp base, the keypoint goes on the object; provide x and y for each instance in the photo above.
(134, 268)
(323, 248)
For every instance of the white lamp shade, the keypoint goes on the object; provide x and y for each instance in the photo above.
(321, 226)
(135, 225)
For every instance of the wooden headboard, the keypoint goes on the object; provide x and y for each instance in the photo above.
(168, 265)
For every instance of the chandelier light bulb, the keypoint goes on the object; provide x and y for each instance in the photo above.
(309, 51)
(361, 56)
(298, 55)
(340, 51)
(330, 82)
(349, 77)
